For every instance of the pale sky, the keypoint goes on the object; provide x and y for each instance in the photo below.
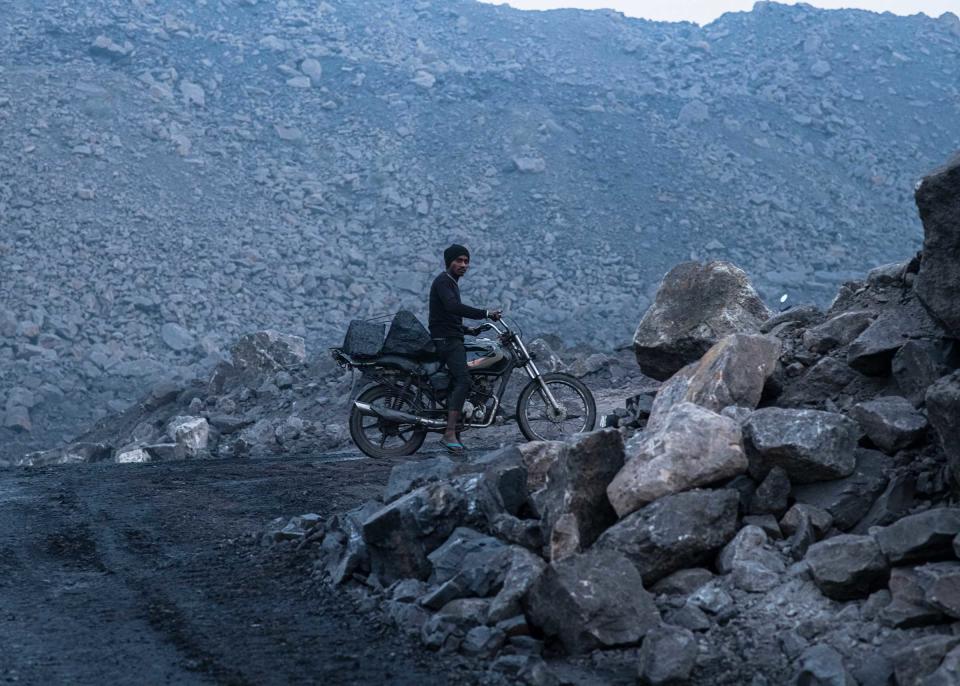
(705, 11)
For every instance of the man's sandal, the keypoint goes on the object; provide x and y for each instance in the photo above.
(454, 448)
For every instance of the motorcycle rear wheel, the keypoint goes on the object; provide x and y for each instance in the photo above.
(377, 437)
(534, 414)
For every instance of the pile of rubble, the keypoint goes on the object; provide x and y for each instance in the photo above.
(784, 516)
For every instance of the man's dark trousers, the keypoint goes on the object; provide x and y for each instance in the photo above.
(452, 353)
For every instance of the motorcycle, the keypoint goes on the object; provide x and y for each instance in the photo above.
(406, 397)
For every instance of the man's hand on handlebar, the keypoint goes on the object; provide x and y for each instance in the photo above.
(494, 314)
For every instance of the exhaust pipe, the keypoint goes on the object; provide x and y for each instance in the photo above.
(397, 416)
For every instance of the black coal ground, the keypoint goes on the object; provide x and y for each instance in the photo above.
(150, 575)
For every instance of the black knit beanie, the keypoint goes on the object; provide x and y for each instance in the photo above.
(453, 252)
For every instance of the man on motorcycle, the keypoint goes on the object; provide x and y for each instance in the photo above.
(447, 330)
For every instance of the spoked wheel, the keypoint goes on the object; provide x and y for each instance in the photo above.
(540, 421)
(377, 437)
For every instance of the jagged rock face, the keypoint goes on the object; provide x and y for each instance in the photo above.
(943, 407)
(847, 566)
(692, 447)
(696, 305)
(938, 200)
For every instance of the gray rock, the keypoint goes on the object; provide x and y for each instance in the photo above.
(667, 656)
(948, 673)
(754, 565)
(821, 665)
(695, 306)
(482, 642)
(592, 600)
(468, 564)
(896, 500)
(847, 566)
(820, 519)
(190, 434)
(925, 536)
(523, 568)
(689, 617)
(872, 352)
(176, 337)
(826, 379)
(402, 534)
(798, 314)
(938, 282)
(675, 532)
(407, 476)
(767, 522)
(890, 422)
(683, 582)
(538, 457)
(908, 607)
(268, 351)
(576, 490)
(943, 410)
(837, 331)
(344, 550)
(692, 447)
(809, 445)
(913, 662)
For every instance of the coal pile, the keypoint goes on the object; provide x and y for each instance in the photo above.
(179, 174)
(787, 513)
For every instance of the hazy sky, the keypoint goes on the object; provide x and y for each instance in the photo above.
(705, 11)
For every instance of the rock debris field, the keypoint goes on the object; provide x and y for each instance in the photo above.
(180, 174)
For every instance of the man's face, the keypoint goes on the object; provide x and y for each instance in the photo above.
(460, 265)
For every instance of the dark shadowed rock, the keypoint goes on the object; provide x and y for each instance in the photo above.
(692, 447)
(943, 410)
(402, 534)
(803, 315)
(923, 536)
(772, 494)
(908, 606)
(825, 379)
(675, 532)
(937, 284)
(576, 488)
(890, 422)
(948, 673)
(837, 331)
(592, 600)
(916, 366)
(873, 350)
(683, 582)
(847, 566)
(668, 656)
(896, 500)
(809, 445)
(468, 564)
(696, 305)
(819, 519)
(848, 499)
(821, 665)
(523, 568)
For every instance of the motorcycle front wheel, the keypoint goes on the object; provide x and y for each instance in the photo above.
(377, 437)
(539, 421)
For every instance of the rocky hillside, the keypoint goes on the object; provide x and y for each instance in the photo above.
(178, 174)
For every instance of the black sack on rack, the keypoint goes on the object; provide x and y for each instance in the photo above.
(408, 337)
(363, 339)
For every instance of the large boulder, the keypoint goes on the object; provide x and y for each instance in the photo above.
(401, 535)
(872, 352)
(753, 563)
(696, 305)
(837, 331)
(890, 422)
(937, 284)
(809, 445)
(573, 505)
(916, 366)
(693, 447)
(733, 372)
(667, 656)
(943, 410)
(592, 600)
(924, 536)
(847, 566)
(675, 532)
(268, 351)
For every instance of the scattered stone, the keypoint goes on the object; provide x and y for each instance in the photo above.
(407, 476)
(668, 656)
(191, 435)
(821, 665)
(848, 500)
(921, 657)
(103, 46)
(836, 332)
(755, 567)
(268, 351)
(176, 337)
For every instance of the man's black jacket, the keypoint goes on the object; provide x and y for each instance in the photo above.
(446, 310)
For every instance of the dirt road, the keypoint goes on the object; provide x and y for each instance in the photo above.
(146, 574)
